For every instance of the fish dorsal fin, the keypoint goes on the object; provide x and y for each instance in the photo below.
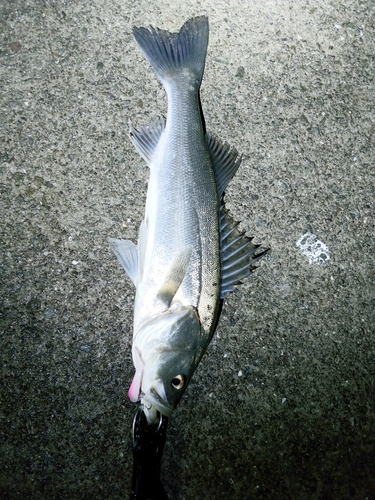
(174, 277)
(127, 253)
(146, 137)
(225, 161)
(238, 253)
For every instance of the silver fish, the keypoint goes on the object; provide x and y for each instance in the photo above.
(189, 252)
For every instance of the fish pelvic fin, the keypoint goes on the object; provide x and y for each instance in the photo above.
(170, 53)
(127, 253)
(238, 253)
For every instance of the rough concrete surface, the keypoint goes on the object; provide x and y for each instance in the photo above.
(283, 404)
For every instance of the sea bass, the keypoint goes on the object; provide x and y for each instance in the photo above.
(189, 252)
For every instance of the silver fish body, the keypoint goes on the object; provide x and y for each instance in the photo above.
(189, 252)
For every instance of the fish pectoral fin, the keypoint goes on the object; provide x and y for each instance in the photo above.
(127, 253)
(174, 277)
(225, 161)
(238, 253)
(146, 137)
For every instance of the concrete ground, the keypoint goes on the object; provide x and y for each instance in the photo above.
(283, 404)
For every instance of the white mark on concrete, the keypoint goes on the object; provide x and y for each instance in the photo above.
(315, 250)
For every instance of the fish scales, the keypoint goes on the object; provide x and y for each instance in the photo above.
(187, 204)
(185, 212)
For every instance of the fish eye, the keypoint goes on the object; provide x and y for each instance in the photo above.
(178, 381)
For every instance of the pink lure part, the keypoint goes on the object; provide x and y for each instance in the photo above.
(135, 388)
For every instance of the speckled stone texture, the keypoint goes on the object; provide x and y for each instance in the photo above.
(283, 404)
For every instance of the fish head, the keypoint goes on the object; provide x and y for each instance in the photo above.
(166, 352)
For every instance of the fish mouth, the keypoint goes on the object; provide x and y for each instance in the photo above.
(153, 404)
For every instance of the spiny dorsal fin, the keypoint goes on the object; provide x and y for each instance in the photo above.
(225, 161)
(146, 137)
(238, 255)
(127, 253)
(175, 275)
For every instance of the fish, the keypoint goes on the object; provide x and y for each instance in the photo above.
(190, 252)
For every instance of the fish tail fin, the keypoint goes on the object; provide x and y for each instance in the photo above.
(170, 53)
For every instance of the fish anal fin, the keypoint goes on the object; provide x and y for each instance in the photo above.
(238, 253)
(225, 161)
(127, 253)
(174, 277)
(146, 137)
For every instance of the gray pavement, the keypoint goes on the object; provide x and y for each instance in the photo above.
(283, 403)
